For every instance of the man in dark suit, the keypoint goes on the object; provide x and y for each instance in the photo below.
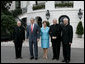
(18, 37)
(67, 35)
(55, 33)
(33, 33)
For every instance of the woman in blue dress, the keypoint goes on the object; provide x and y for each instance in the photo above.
(45, 38)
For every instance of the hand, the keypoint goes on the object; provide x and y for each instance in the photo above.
(37, 40)
(26, 40)
(53, 37)
(70, 43)
(37, 32)
(13, 40)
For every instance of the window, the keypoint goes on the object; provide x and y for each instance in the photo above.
(40, 2)
(63, 4)
(39, 5)
(39, 21)
(18, 4)
(62, 17)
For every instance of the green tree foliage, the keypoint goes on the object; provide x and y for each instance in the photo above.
(80, 29)
(7, 23)
(16, 12)
(7, 19)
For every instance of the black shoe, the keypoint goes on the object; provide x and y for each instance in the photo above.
(63, 61)
(32, 58)
(16, 58)
(67, 61)
(20, 57)
(36, 58)
(53, 58)
(57, 59)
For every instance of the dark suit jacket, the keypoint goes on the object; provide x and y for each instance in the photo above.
(55, 30)
(33, 35)
(67, 34)
(18, 34)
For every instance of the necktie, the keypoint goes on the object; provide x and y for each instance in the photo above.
(32, 28)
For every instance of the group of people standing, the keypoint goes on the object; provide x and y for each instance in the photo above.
(57, 33)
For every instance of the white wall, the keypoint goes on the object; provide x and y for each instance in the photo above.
(24, 4)
(71, 13)
(79, 4)
(49, 5)
(56, 13)
(12, 5)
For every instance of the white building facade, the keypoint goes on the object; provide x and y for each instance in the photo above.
(55, 12)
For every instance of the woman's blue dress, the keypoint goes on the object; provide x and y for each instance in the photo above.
(45, 37)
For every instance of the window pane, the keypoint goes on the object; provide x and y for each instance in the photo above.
(17, 4)
(63, 3)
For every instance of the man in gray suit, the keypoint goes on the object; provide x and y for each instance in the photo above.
(33, 33)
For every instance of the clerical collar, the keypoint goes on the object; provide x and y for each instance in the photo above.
(65, 24)
(54, 24)
(32, 24)
(19, 26)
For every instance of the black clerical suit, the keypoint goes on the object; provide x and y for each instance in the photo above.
(18, 37)
(55, 30)
(67, 35)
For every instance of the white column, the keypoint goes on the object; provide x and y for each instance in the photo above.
(12, 5)
(49, 5)
(79, 4)
(29, 7)
(23, 4)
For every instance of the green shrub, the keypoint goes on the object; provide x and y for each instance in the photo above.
(7, 24)
(64, 5)
(36, 7)
(16, 12)
(48, 24)
(8, 20)
(80, 29)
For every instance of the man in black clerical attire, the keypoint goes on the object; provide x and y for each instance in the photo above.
(67, 35)
(18, 37)
(55, 33)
